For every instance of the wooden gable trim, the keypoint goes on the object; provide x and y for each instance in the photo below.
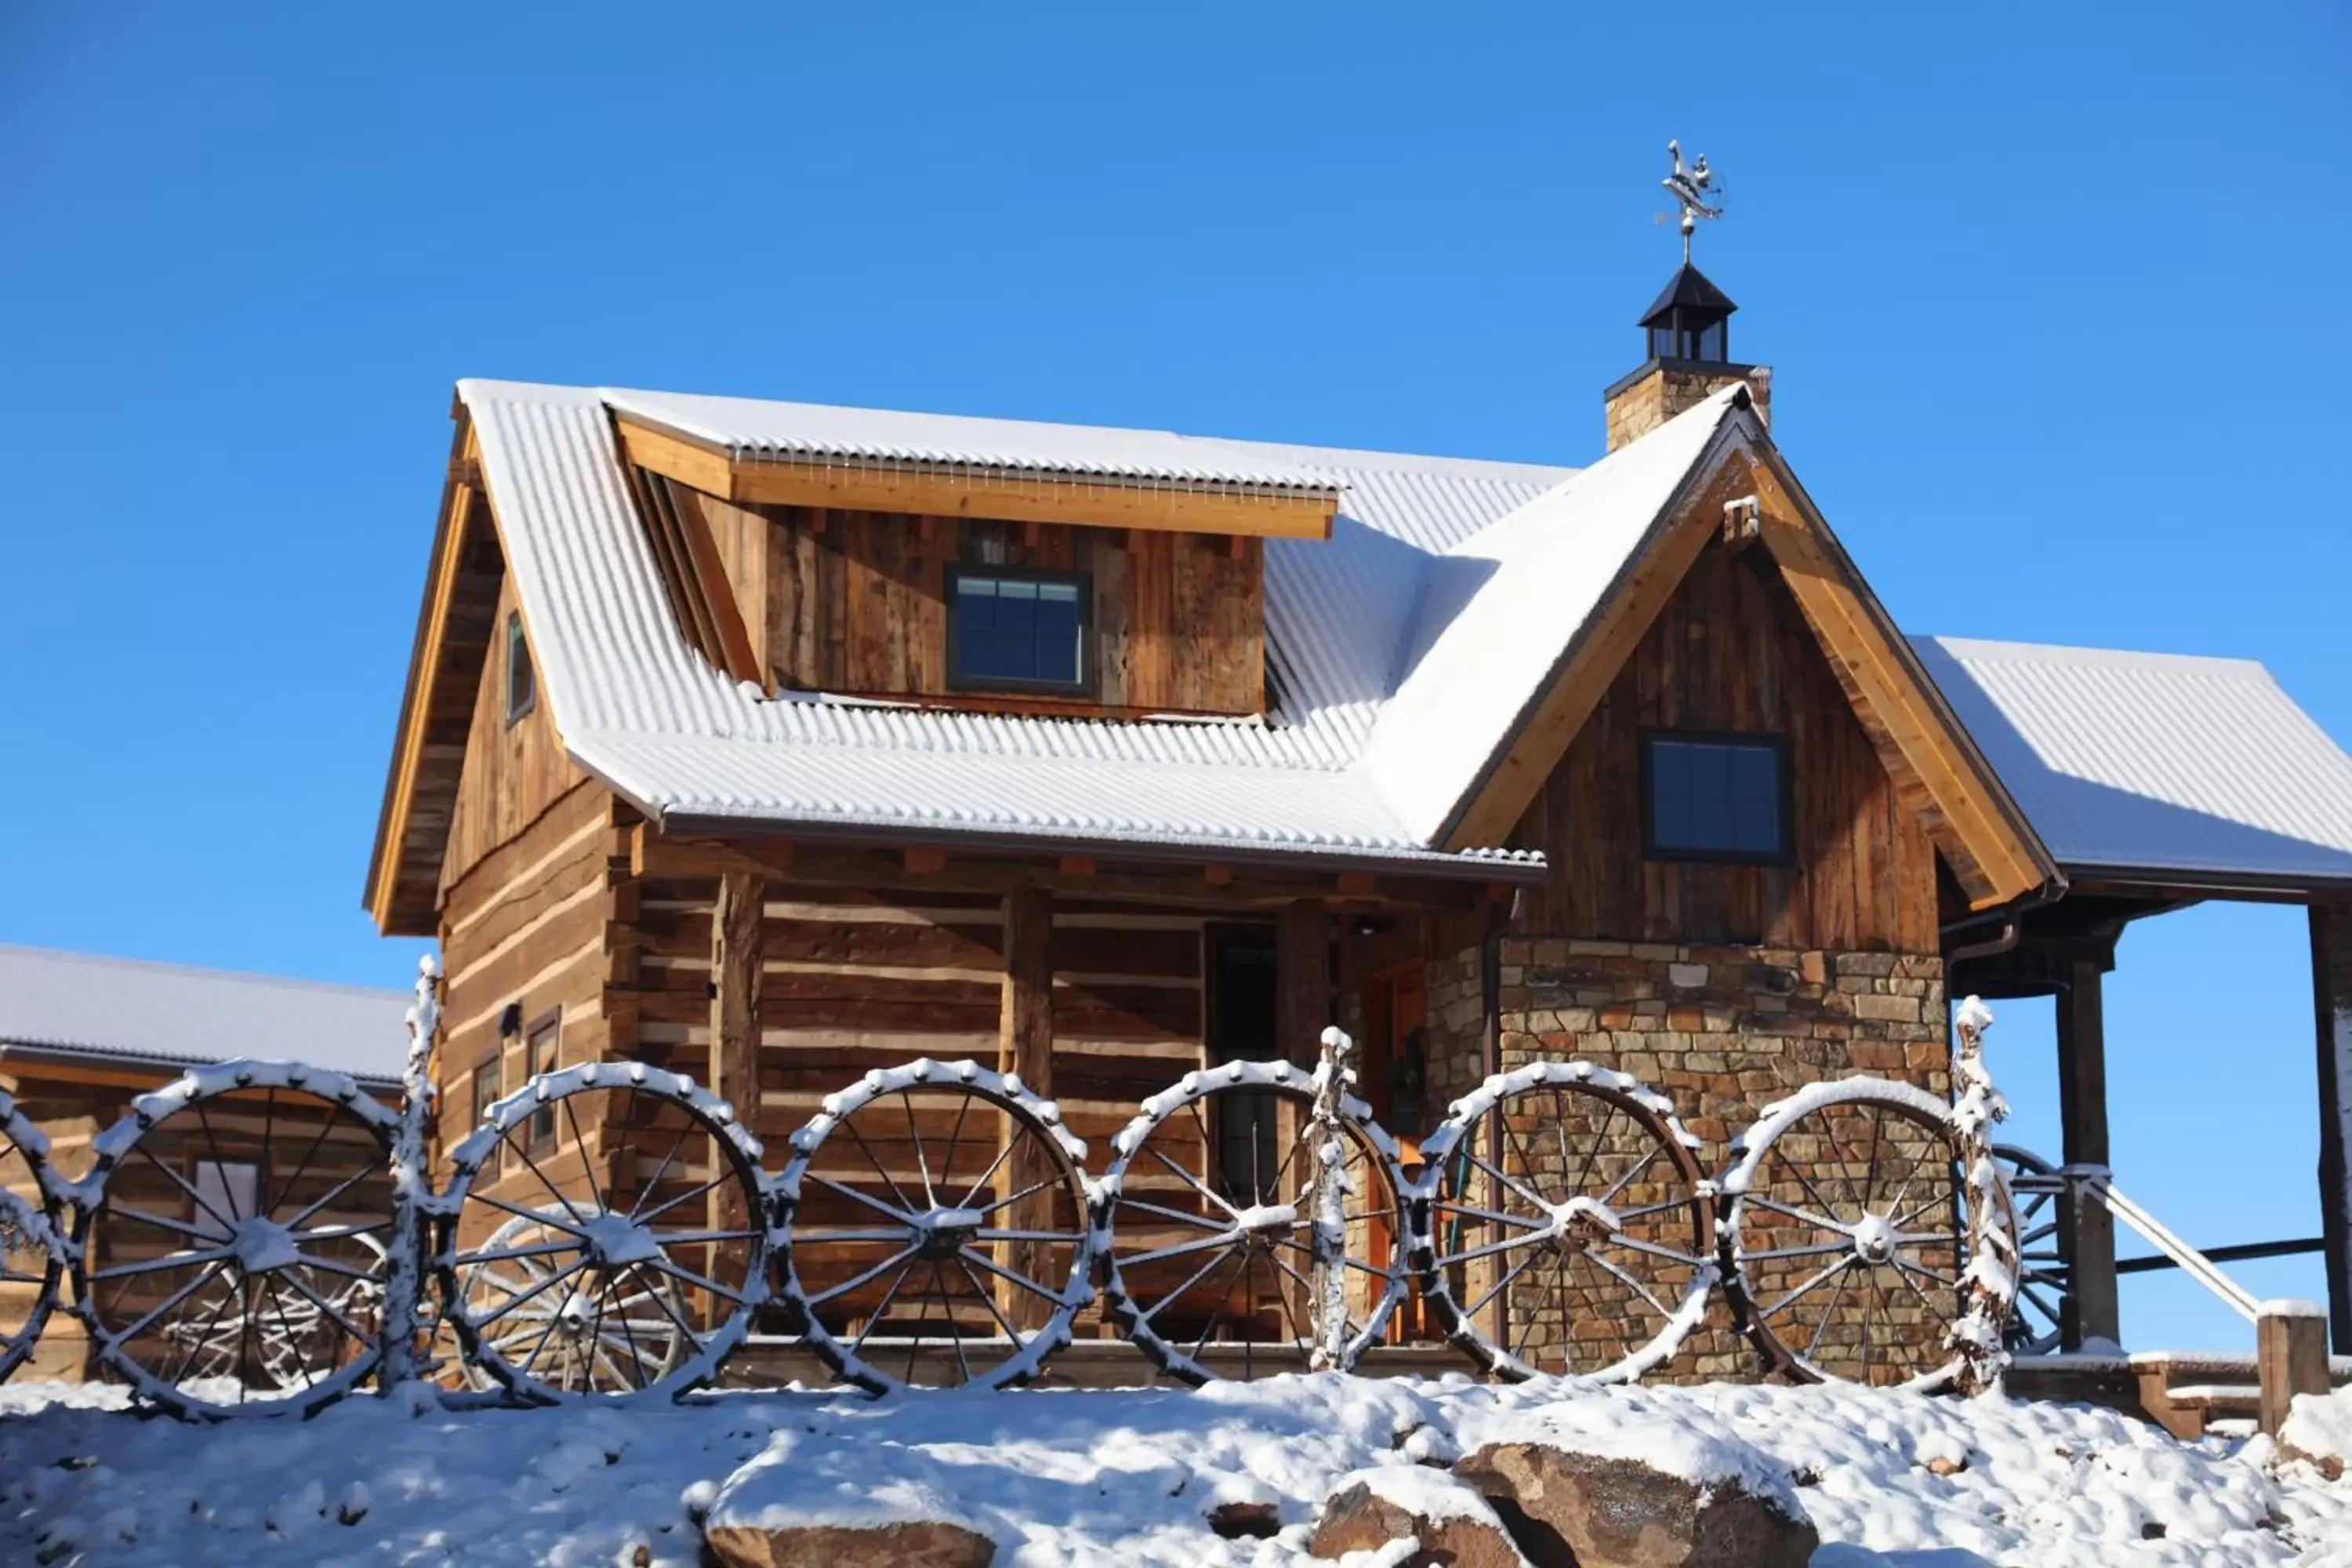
(700, 596)
(937, 491)
(454, 633)
(1984, 837)
(1967, 813)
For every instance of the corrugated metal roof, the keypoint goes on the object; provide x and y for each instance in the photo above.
(97, 1007)
(637, 706)
(2156, 761)
(758, 428)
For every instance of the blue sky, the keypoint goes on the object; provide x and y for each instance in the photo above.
(2049, 293)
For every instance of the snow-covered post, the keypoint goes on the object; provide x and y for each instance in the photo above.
(1992, 1276)
(411, 1186)
(1328, 1151)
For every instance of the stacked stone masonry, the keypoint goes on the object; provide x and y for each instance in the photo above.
(1720, 1031)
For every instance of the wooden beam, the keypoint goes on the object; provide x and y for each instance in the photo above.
(738, 656)
(938, 493)
(1024, 1045)
(2290, 1358)
(735, 968)
(923, 859)
(2331, 996)
(2086, 1231)
(1302, 978)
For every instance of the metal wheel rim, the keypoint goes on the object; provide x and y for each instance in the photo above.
(898, 1238)
(1612, 1243)
(600, 1254)
(2035, 1190)
(233, 1262)
(1905, 1103)
(1134, 1313)
(34, 1224)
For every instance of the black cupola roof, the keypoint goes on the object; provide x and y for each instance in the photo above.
(1690, 321)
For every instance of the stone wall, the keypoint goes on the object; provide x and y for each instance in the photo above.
(1656, 393)
(1720, 1031)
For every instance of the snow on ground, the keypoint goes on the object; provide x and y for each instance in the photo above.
(1101, 1476)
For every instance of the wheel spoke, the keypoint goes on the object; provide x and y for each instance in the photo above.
(1776, 1309)
(1223, 1238)
(1623, 1277)
(562, 1273)
(855, 1280)
(169, 1260)
(1178, 1214)
(884, 1305)
(1816, 1221)
(1632, 1172)
(1496, 1289)
(123, 1336)
(922, 1165)
(1009, 1276)
(1652, 1248)
(338, 1190)
(1492, 1215)
(876, 1205)
(654, 1184)
(1146, 1315)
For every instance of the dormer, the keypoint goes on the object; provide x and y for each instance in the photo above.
(980, 565)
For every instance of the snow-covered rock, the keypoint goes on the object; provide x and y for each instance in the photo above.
(1441, 1519)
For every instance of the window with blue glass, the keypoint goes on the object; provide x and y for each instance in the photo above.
(1019, 631)
(1715, 797)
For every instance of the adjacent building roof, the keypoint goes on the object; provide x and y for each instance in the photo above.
(1401, 653)
(2154, 763)
(131, 1012)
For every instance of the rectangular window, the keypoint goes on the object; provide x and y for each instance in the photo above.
(1715, 797)
(489, 1080)
(523, 685)
(1019, 631)
(227, 1191)
(538, 1055)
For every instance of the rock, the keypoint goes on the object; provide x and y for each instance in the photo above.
(1358, 1518)
(1252, 1521)
(905, 1543)
(1570, 1510)
(1945, 1465)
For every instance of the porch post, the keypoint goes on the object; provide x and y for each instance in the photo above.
(734, 1062)
(2086, 1232)
(1302, 978)
(2331, 994)
(1025, 1045)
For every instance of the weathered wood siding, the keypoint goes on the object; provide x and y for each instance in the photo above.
(856, 602)
(512, 771)
(855, 980)
(1731, 651)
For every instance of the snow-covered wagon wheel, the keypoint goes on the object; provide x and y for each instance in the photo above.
(2042, 1287)
(230, 1252)
(32, 1252)
(1205, 1222)
(604, 1234)
(1847, 1248)
(934, 1228)
(1563, 1224)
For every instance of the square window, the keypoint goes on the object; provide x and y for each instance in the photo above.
(488, 1086)
(523, 682)
(1019, 631)
(227, 1191)
(1715, 797)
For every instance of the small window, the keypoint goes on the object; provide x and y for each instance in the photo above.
(538, 1055)
(489, 1080)
(1019, 631)
(523, 685)
(227, 1191)
(1715, 797)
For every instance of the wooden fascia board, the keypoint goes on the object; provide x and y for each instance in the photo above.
(935, 491)
(1993, 850)
(425, 666)
(740, 660)
(1648, 580)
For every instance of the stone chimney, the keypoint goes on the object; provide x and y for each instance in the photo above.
(1688, 334)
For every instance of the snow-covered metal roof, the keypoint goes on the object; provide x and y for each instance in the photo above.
(2151, 762)
(82, 1005)
(760, 429)
(637, 706)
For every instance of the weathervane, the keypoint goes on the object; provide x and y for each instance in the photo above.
(1689, 188)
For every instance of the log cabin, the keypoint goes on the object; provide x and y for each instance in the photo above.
(82, 1037)
(775, 742)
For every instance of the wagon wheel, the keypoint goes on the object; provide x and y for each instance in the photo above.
(1847, 1242)
(32, 1257)
(935, 1207)
(2039, 1192)
(231, 1217)
(605, 1233)
(1205, 1221)
(1578, 1236)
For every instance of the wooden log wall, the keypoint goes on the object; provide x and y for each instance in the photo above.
(512, 772)
(1730, 651)
(856, 602)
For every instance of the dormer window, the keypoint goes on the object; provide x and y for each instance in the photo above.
(1011, 630)
(1715, 797)
(522, 684)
